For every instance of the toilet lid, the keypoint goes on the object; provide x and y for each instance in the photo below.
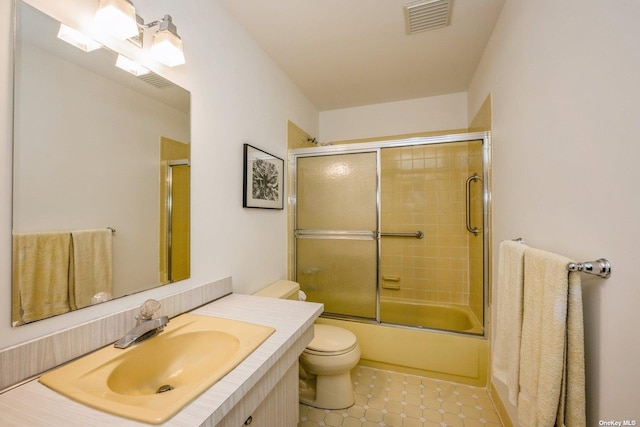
(331, 339)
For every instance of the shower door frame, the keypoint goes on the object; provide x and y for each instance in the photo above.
(377, 146)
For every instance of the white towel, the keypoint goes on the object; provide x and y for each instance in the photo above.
(544, 338)
(91, 266)
(506, 344)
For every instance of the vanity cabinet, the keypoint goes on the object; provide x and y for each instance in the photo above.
(278, 409)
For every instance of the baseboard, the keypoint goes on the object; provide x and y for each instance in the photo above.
(500, 408)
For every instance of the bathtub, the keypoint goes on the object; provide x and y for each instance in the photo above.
(436, 354)
(447, 317)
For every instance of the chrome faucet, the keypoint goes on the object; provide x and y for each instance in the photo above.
(146, 325)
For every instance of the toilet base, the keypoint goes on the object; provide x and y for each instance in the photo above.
(327, 391)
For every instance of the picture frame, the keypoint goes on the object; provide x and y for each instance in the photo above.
(263, 182)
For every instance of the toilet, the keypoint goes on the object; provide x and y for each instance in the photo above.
(326, 363)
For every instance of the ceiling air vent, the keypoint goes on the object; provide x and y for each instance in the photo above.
(426, 15)
(155, 80)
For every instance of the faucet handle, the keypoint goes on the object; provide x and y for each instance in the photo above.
(148, 309)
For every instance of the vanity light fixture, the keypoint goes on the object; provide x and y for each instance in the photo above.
(167, 44)
(117, 17)
(77, 39)
(130, 66)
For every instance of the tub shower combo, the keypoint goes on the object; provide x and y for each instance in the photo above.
(394, 235)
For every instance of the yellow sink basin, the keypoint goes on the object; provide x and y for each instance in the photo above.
(153, 380)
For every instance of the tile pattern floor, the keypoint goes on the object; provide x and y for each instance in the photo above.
(385, 398)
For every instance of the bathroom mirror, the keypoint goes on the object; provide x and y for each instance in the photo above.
(95, 149)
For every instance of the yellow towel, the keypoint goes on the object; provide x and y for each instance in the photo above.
(40, 275)
(509, 299)
(91, 269)
(544, 338)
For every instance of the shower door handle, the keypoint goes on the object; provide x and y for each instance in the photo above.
(472, 178)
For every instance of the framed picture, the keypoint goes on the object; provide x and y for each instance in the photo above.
(263, 185)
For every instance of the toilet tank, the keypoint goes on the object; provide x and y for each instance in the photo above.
(283, 289)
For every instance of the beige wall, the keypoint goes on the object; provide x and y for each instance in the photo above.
(563, 78)
(434, 113)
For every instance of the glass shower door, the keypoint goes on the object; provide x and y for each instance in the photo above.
(336, 232)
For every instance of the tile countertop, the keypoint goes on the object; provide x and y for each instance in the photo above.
(33, 404)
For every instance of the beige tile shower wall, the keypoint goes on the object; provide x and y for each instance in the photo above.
(423, 188)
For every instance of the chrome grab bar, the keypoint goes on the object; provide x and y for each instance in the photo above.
(472, 178)
(346, 234)
(418, 234)
(335, 234)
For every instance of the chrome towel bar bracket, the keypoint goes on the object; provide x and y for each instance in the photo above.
(600, 267)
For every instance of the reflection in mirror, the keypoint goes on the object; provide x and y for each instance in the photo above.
(101, 175)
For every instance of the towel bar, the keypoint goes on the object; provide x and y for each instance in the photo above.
(600, 267)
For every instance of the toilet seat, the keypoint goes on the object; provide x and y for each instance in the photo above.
(331, 341)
